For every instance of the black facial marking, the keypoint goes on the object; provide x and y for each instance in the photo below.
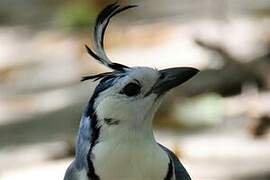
(94, 137)
(96, 129)
(131, 89)
(105, 83)
(111, 121)
(170, 171)
(91, 171)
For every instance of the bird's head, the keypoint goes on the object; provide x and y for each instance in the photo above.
(128, 96)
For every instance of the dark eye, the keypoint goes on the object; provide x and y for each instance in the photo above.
(131, 89)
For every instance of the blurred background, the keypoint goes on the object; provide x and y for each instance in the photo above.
(217, 123)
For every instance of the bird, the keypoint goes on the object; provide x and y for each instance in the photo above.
(115, 139)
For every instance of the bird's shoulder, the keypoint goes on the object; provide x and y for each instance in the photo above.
(179, 170)
(72, 173)
(77, 168)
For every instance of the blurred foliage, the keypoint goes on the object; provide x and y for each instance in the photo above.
(263, 13)
(205, 110)
(77, 14)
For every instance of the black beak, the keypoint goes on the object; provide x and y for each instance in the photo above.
(172, 77)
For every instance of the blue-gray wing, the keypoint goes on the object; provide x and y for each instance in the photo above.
(72, 173)
(180, 172)
(77, 169)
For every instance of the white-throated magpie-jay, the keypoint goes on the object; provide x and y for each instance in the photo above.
(115, 139)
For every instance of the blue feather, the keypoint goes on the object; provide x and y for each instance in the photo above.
(83, 143)
(88, 131)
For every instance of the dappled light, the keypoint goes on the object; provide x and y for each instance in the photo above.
(217, 123)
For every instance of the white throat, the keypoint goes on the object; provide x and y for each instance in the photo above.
(130, 145)
(138, 155)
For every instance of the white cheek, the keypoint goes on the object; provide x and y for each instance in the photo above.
(127, 110)
(115, 108)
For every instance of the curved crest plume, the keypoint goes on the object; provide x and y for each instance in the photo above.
(99, 54)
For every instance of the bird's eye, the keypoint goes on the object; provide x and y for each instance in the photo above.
(131, 89)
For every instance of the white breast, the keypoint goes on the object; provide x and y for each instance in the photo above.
(130, 161)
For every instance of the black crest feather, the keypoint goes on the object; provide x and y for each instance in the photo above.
(97, 76)
(101, 24)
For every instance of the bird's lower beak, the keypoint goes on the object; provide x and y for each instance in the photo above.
(172, 77)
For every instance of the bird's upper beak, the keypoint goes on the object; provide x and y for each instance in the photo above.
(172, 77)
